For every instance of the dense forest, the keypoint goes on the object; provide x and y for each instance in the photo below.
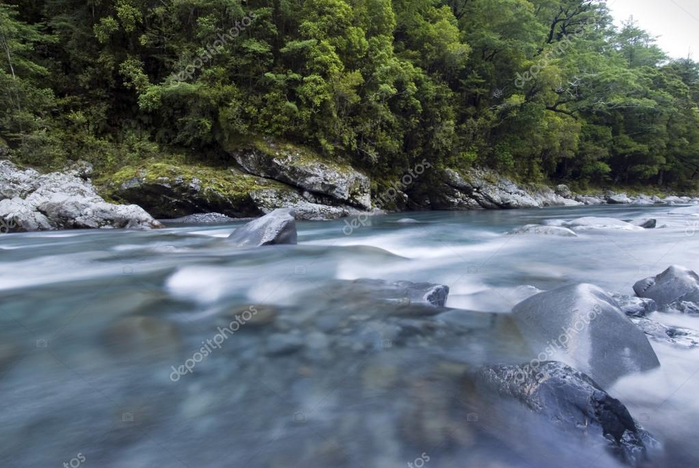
(538, 89)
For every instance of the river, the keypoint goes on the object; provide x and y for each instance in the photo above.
(102, 338)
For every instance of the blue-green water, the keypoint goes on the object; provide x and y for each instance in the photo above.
(95, 324)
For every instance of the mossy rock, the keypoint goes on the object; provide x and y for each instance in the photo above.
(170, 191)
(302, 168)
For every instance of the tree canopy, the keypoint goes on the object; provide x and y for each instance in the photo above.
(541, 89)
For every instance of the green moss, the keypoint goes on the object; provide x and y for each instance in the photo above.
(302, 155)
(224, 182)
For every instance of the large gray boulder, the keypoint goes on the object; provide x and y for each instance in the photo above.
(278, 227)
(677, 283)
(572, 401)
(30, 201)
(582, 325)
(295, 167)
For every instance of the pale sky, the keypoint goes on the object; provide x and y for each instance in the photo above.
(675, 21)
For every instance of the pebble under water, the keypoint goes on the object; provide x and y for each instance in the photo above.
(170, 348)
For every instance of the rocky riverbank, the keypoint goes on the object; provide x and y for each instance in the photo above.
(30, 201)
(263, 176)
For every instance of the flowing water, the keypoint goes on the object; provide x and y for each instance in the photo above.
(122, 349)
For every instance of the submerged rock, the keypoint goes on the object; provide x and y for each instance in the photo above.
(574, 402)
(406, 291)
(582, 325)
(34, 202)
(141, 334)
(591, 222)
(278, 227)
(545, 230)
(676, 336)
(407, 221)
(677, 283)
(682, 307)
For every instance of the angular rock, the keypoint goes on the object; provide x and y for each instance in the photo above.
(583, 326)
(677, 283)
(16, 182)
(648, 223)
(278, 227)
(643, 200)
(590, 200)
(545, 230)
(290, 166)
(564, 191)
(634, 306)
(618, 199)
(572, 401)
(17, 215)
(61, 201)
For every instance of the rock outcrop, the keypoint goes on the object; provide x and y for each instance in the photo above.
(582, 325)
(278, 227)
(574, 402)
(175, 191)
(300, 168)
(676, 284)
(30, 201)
(483, 188)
